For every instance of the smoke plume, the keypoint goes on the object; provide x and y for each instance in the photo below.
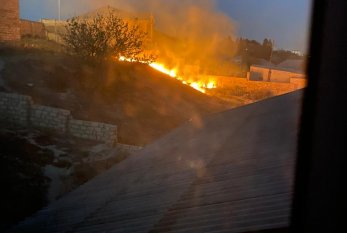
(189, 34)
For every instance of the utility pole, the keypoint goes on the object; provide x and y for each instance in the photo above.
(270, 71)
(272, 49)
(55, 22)
(59, 10)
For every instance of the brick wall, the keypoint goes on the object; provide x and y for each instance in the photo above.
(9, 20)
(32, 28)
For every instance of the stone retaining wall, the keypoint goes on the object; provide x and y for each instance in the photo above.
(93, 130)
(14, 108)
(20, 110)
(49, 118)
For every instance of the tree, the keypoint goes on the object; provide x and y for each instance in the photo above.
(267, 43)
(255, 50)
(105, 37)
(267, 48)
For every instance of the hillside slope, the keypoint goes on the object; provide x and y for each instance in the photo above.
(144, 103)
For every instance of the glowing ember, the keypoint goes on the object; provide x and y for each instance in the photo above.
(199, 86)
(125, 59)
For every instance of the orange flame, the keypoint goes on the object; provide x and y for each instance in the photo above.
(163, 69)
(199, 86)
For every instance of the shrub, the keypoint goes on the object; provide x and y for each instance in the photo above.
(104, 37)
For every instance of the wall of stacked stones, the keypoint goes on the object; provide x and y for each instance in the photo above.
(93, 130)
(49, 118)
(14, 109)
(20, 110)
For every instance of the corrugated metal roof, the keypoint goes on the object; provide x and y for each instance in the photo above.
(229, 172)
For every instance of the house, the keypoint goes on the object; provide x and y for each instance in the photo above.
(229, 172)
(9, 20)
(289, 71)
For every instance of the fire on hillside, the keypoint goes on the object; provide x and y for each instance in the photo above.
(197, 85)
(201, 86)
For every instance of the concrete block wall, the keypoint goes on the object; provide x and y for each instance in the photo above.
(259, 73)
(14, 109)
(284, 76)
(94, 131)
(49, 118)
(276, 75)
(9, 20)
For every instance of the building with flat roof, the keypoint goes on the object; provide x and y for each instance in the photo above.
(289, 71)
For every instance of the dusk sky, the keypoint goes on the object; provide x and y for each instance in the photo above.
(285, 21)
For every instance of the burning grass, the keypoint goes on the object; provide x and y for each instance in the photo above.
(173, 73)
(200, 86)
